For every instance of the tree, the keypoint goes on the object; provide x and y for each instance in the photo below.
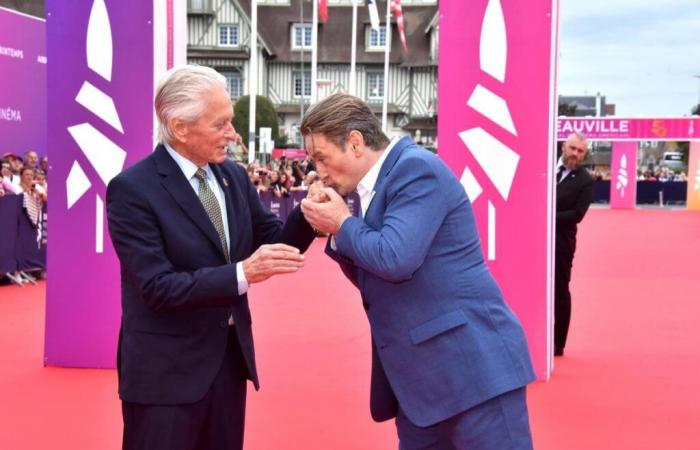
(696, 110)
(265, 116)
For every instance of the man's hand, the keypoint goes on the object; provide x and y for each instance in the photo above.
(272, 259)
(326, 217)
(316, 193)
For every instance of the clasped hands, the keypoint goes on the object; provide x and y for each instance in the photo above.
(324, 208)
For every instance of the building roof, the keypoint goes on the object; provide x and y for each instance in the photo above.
(275, 23)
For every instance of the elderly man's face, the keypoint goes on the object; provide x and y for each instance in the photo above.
(338, 167)
(31, 159)
(573, 152)
(207, 138)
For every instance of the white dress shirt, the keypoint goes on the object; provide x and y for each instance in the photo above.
(189, 169)
(565, 172)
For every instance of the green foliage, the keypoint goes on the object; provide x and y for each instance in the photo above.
(265, 116)
(696, 110)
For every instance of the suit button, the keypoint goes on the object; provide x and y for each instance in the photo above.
(223, 323)
(365, 305)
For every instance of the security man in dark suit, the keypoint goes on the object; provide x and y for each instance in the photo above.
(574, 195)
(191, 236)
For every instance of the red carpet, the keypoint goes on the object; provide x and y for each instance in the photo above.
(628, 380)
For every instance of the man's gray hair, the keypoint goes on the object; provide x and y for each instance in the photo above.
(179, 95)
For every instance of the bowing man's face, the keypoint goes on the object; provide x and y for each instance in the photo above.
(206, 139)
(338, 167)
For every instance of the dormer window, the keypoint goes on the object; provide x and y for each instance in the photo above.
(376, 39)
(301, 36)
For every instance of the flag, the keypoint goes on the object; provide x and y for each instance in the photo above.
(396, 9)
(373, 14)
(323, 10)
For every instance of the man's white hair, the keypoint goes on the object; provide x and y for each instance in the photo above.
(179, 95)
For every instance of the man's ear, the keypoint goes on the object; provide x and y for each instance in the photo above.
(357, 142)
(179, 129)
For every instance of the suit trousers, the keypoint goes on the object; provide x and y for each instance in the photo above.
(216, 422)
(500, 423)
(562, 299)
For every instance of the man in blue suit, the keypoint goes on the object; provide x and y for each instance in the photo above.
(191, 236)
(450, 359)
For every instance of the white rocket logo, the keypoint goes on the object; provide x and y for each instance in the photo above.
(106, 157)
(496, 159)
(622, 178)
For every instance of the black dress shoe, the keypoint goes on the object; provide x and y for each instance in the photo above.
(558, 351)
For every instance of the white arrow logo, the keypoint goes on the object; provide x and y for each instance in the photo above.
(496, 159)
(622, 178)
(106, 157)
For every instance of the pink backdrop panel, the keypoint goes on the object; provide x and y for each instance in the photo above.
(613, 128)
(496, 131)
(623, 175)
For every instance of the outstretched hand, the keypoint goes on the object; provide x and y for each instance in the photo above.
(272, 259)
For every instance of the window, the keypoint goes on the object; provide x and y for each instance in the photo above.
(301, 36)
(228, 35)
(235, 83)
(298, 84)
(199, 7)
(376, 39)
(375, 85)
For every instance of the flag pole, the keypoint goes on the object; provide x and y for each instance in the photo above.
(353, 54)
(387, 50)
(314, 54)
(253, 79)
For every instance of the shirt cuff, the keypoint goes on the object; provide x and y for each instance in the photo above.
(242, 282)
(333, 246)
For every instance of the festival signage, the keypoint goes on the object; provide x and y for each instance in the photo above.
(615, 129)
(497, 132)
(23, 80)
(106, 56)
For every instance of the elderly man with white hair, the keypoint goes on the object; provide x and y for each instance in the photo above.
(191, 236)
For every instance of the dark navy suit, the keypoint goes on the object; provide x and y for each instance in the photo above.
(177, 289)
(444, 341)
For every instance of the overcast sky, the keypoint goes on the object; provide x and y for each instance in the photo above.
(641, 54)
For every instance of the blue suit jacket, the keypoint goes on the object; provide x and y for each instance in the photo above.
(177, 289)
(443, 338)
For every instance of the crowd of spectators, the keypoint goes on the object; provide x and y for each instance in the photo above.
(281, 177)
(26, 176)
(661, 173)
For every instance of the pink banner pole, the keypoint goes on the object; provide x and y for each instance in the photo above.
(693, 201)
(623, 175)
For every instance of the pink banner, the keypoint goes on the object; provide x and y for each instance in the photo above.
(623, 175)
(606, 128)
(693, 202)
(496, 131)
(289, 153)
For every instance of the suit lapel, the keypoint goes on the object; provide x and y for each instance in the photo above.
(180, 189)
